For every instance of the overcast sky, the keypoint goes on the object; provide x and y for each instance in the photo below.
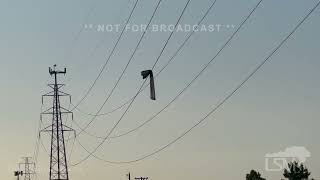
(278, 108)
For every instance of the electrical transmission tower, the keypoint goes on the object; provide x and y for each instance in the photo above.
(28, 165)
(57, 128)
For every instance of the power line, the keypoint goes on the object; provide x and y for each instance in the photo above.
(226, 98)
(36, 149)
(37, 143)
(35, 156)
(36, 161)
(167, 41)
(102, 114)
(91, 54)
(98, 45)
(117, 123)
(77, 35)
(108, 58)
(196, 77)
(115, 86)
(182, 91)
(158, 73)
(157, 59)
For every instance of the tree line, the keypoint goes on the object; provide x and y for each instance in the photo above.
(295, 171)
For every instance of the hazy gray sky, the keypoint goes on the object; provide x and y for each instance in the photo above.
(276, 109)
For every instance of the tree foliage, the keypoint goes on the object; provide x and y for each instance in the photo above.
(296, 171)
(254, 175)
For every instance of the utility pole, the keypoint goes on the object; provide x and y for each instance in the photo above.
(137, 178)
(27, 168)
(129, 176)
(58, 157)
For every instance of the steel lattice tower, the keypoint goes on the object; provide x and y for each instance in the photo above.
(58, 157)
(27, 168)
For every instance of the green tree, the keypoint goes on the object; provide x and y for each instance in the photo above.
(296, 171)
(254, 175)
